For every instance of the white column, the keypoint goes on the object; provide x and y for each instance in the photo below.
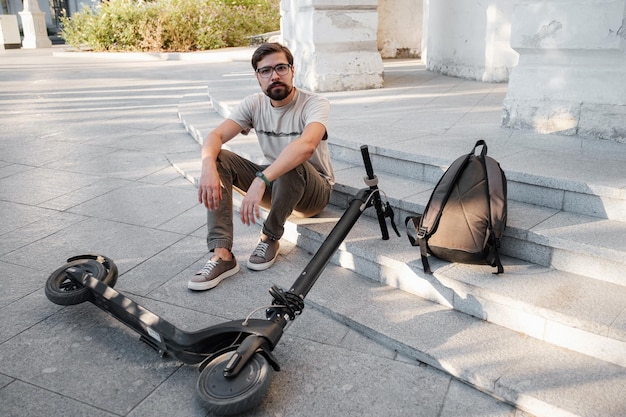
(400, 28)
(333, 43)
(9, 32)
(34, 26)
(572, 68)
(469, 39)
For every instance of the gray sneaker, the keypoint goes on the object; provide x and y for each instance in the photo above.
(212, 274)
(264, 255)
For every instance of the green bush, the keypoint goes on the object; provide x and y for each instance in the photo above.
(169, 25)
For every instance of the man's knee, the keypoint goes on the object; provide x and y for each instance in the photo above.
(295, 178)
(227, 165)
(225, 156)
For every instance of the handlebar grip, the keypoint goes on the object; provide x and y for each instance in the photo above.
(378, 205)
(367, 162)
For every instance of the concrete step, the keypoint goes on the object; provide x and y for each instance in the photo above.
(534, 376)
(563, 192)
(548, 237)
(581, 244)
(564, 308)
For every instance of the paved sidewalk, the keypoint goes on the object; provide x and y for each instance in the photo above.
(84, 148)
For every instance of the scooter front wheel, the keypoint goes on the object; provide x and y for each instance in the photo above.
(233, 395)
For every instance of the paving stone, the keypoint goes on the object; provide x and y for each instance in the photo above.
(43, 402)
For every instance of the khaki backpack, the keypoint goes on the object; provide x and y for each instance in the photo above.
(466, 214)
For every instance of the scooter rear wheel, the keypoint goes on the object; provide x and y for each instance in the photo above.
(233, 395)
(60, 289)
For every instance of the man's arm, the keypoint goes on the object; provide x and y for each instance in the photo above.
(297, 152)
(209, 187)
(294, 154)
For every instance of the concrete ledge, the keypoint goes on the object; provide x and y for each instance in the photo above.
(221, 55)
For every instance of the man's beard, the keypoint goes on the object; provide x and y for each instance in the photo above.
(278, 91)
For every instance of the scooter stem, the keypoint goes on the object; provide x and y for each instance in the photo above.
(316, 265)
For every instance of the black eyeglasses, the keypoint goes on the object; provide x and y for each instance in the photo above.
(281, 69)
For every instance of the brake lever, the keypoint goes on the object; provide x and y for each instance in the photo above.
(389, 213)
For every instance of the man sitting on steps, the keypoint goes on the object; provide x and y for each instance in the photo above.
(291, 128)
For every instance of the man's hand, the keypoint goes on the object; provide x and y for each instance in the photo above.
(251, 203)
(210, 188)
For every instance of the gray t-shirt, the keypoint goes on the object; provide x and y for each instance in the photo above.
(276, 127)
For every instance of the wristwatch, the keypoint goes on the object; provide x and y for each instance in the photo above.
(264, 178)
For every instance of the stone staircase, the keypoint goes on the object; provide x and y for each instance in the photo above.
(549, 335)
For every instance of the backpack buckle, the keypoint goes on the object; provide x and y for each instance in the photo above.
(421, 232)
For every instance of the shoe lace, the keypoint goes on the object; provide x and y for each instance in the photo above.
(261, 249)
(207, 268)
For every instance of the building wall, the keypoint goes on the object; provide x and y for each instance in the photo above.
(15, 6)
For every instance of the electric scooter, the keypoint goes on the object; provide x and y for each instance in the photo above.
(235, 358)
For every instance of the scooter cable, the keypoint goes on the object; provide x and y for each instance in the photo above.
(245, 322)
(291, 302)
(369, 197)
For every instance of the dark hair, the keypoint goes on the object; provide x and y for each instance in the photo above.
(270, 48)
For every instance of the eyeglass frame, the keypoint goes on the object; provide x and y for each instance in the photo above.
(273, 69)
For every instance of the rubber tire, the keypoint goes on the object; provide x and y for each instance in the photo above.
(228, 396)
(108, 263)
(63, 291)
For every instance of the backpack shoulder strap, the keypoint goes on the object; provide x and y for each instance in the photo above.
(425, 224)
(442, 192)
(496, 200)
(497, 195)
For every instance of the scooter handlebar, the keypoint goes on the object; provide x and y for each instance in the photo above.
(378, 204)
(369, 170)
